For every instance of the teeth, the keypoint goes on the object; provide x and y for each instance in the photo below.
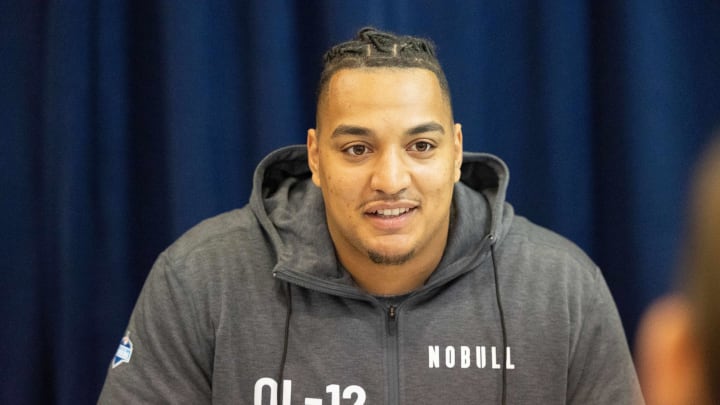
(392, 212)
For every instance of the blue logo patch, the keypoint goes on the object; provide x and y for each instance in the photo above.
(124, 351)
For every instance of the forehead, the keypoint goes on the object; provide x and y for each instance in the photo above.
(385, 89)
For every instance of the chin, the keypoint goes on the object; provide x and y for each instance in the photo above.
(390, 259)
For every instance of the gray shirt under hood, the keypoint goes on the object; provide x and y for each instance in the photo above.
(252, 307)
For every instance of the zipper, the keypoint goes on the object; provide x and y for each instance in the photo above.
(393, 360)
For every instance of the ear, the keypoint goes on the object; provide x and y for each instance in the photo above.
(458, 145)
(313, 155)
(669, 363)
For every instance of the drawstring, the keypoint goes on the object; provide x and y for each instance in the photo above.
(288, 297)
(502, 318)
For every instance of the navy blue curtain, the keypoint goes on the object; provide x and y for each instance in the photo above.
(126, 122)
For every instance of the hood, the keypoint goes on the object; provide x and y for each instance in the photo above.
(291, 211)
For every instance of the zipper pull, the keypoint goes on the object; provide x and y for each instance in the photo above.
(391, 312)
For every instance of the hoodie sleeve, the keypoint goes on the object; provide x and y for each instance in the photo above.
(164, 356)
(601, 369)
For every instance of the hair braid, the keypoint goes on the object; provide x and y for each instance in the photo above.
(373, 48)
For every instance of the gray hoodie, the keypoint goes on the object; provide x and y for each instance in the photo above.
(252, 307)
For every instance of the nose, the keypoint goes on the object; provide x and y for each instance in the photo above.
(391, 174)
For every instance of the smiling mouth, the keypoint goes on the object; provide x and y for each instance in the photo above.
(390, 213)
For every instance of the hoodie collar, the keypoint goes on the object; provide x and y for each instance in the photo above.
(290, 209)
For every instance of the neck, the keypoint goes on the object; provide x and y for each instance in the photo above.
(393, 279)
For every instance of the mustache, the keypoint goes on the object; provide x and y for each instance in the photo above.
(384, 198)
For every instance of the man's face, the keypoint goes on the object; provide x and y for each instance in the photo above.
(386, 155)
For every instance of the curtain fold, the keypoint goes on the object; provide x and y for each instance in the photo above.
(125, 123)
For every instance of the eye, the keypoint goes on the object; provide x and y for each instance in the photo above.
(422, 146)
(356, 150)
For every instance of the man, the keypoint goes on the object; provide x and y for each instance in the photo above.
(390, 272)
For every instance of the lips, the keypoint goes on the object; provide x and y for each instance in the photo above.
(390, 212)
(391, 216)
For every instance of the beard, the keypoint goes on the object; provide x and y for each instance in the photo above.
(396, 260)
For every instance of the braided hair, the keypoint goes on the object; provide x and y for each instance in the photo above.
(374, 48)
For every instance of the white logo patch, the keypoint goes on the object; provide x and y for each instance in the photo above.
(124, 351)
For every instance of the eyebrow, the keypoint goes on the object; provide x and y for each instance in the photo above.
(350, 130)
(431, 126)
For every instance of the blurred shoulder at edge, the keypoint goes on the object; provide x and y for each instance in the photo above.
(677, 349)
